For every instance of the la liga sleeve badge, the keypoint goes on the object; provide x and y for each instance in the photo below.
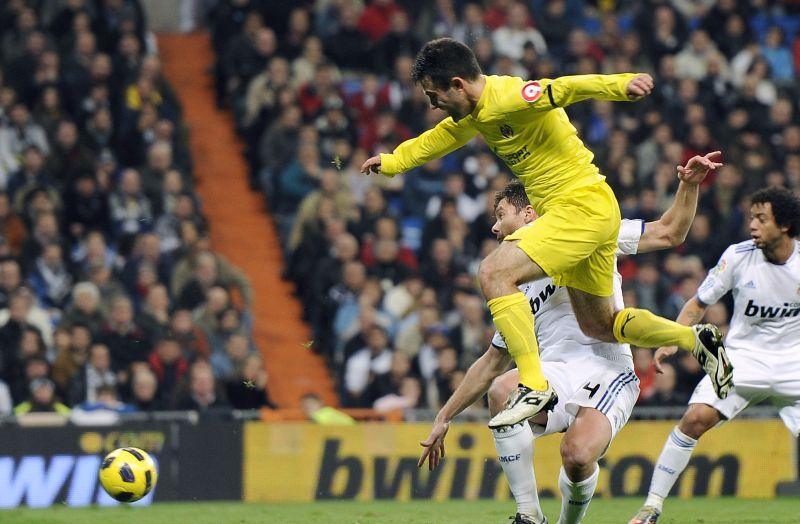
(531, 91)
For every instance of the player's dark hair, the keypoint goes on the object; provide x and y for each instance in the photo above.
(785, 207)
(442, 59)
(515, 193)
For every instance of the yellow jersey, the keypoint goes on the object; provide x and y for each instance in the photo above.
(524, 123)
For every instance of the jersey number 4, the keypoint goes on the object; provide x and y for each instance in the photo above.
(591, 389)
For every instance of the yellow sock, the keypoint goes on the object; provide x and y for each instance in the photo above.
(513, 318)
(644, 329)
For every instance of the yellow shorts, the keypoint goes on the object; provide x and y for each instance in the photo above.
(575, 240)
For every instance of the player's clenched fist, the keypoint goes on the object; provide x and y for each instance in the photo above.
(641, 86)
(372, 165)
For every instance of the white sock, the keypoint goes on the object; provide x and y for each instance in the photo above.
(515, 450)
(671, 463)
(575, 496)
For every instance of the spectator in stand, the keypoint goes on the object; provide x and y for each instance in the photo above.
(202, 394)
(45, 231)
(510, 39)
(169, 365)
(42, 399)
(50, 279)
(306, 218)
(408, 396)
(363, 366)
(72, 357)
(664, 389)
(127, 341)
(193, 341)
(31, 364)
(154, 316)
(231, 321)
(247, 388)
(10, 280)
(20, 133)
(144, 389)
(146, 250)
(468, 335)
(689, 374)
(85, 308)
(86, 207)
(12, 228)
(347, 46)
(400, 40)
(645, 371)
(777, 54)
(94, 373)
(386, 228)
(131, 210)
(107, 400)
(23, 313)
(387, 266)
(30, 174)
(228, 362)
(197, 264)
(69, 158)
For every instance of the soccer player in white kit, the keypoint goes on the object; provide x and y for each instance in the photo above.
(763, 341)
(594, 379)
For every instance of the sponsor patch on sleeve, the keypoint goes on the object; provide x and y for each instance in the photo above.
(531, 91)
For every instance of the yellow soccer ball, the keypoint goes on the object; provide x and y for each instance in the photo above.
(128, 474)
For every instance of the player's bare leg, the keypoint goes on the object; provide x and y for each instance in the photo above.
(500, 273)
(582, 446)
(514, 446)
(674, 457)
(599, 319)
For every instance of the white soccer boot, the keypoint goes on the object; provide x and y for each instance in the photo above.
(709, 351)
(524, 403)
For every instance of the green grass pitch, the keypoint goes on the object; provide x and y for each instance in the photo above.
(617, 511)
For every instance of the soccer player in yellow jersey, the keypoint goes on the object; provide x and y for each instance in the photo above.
(574, 240)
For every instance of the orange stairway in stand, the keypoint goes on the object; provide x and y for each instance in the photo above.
(240, 228)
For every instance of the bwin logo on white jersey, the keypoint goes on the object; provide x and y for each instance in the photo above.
(786, 310)
(538, 301)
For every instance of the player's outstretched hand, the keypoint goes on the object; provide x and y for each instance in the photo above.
(697, 167)
(641, 86)
(662, 354)
(434, 445)
(372, 165)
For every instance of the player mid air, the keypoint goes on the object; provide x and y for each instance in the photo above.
(764, 337)
(594, 379)
(574, 240)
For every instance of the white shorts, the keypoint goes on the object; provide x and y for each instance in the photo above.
(592, 382)
(757, 378)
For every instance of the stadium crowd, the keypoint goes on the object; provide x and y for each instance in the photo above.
(385, 268)
(110, 295)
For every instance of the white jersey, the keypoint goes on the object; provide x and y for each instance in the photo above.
(766, 299)
(557, 331)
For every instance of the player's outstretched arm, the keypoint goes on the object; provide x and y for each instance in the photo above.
(691, 314)
(671, 229)
(445, 137)
(476, 383)
(623, 87)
